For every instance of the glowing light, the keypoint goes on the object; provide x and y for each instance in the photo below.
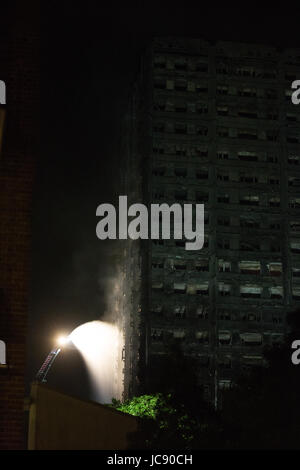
(63, 340)
(99, 343)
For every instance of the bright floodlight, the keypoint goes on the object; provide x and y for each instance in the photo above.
(63, 340)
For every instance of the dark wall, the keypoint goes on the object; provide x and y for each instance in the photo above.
(19, 56)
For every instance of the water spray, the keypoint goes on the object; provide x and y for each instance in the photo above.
(100, 345)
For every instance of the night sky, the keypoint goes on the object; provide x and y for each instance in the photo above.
(89, 58)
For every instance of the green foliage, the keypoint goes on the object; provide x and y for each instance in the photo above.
(144, 406)
(171, 426)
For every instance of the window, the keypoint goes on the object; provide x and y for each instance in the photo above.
(179, 265)
(293, 160)
(294, 181)
(180, 85)
(224, 221)
(202, 130)
(157, 308)
(201, 152)
(275, 248)
(296, 293)
(249, 200)
(294, 203)
(223, 198)
(224, 337)
(245, 71)
(222, 110)
(271, 94)
(223, 176)
(201, 196)
(180, 172)
(159, 127)
(248, 222)
(202, 67)
(291, 117)
(226, 315)
(180, 107)
(248, 92)
(296, 272)
(223, 244)
(248, 178)
(250, 134)
(224, 289)
(159, 62)
(223, 132)
(157, 286)
(274, 180)
(180, 150)
(158, 194)
(200, 88)
(178, 334)
(295, 225)
(246, 113)
(157, 263)
(180, 64)
(202, 337)
(179, 288)
(276, 318)
(249, 246)
(295, 247)
(249, 291)
(159, 171)
(179, 311)
(202, 265)
(251, 339)
(275, 269)
(201, 108)
(252, 360)
(248, 156)
(223, 155)
(274, 202)
(157, 334)
(292, 138)
(202, 174)
(170, 84)
(180, 128)
(272, 115)
(276, 292)
(158, 148)
(198, 288)
(249, 267)
(224, 266)
(158, 242)
(222, 90)
(225, 384)
(202, 313)
(251, 317)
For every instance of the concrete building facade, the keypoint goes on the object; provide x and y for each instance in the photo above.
(214, 123)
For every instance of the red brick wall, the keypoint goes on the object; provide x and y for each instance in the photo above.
(19, 67)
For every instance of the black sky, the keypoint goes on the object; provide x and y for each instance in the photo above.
(89, 57)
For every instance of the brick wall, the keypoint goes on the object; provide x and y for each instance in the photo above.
(19, 67)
